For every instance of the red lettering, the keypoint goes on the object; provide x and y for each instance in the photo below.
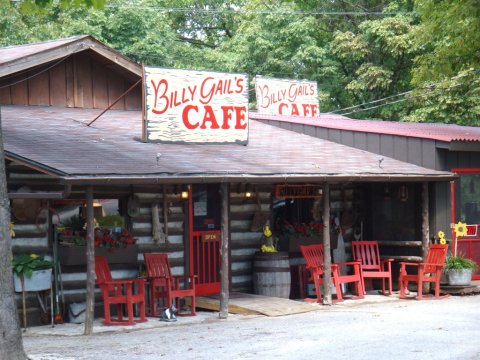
(162, 97)
(209, 116)
(227, 115)
(240, 115)
(280, 108)
(305, 109)
(185, 112)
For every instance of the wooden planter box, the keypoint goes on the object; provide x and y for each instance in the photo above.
(40, 280)
(295, 242)
(77, 255)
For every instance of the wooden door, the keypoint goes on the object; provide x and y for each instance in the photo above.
(204, 213)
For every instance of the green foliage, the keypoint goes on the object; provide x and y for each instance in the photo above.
(354, 59)
(111, 221)
(74, 223)
(448, 35)
(27, 263)
(459, 262)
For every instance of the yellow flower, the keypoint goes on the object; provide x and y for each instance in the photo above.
(267, 232)
(11, 227)
(268, 248)
(441, 235)
(460, 229)
(33, 256)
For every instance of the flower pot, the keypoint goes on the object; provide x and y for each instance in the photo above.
(459, 277)
(40, 280)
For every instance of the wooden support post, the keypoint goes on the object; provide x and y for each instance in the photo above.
(425, 221)
(90, 306)
(425, 229)
(327, 259)
(224, 281)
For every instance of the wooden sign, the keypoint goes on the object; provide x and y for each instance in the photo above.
(472, 230)
(189, 106)
(286, 97)
(298, 191)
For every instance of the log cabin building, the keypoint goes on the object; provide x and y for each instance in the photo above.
(71, 115)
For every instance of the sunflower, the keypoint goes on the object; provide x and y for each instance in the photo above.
(460, 229)
(441, 237)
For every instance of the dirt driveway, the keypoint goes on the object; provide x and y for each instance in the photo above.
(357, 329)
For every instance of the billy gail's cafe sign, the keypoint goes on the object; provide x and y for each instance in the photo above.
(286, 97)
(189, 106)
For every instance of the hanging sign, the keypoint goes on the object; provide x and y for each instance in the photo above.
(298, 191)
(191, 106)
(286, 97)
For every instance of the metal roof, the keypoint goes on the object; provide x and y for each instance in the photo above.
(57, 141)
(434, 131)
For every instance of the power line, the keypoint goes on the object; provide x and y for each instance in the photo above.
(401, 100)
(400, 94)
(38, 73)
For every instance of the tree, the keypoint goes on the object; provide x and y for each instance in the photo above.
(448, 68)
(11, 345)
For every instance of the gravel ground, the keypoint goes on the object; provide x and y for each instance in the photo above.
(359, 329)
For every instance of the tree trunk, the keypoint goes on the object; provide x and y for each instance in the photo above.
(224, 283)
(11, 344)
(327, 259)
(90, 303)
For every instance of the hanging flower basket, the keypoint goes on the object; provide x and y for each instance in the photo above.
(118, 246)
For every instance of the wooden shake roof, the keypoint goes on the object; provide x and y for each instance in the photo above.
(58, 142)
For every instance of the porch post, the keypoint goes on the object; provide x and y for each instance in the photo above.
(425, 220)
(425, 229)
(89, 314)
(224, 281)
(327, 259)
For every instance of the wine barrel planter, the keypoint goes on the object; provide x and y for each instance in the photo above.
(271, 274)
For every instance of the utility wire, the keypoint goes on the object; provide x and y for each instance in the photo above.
(400, 100)
(40, 72)
(400, 94)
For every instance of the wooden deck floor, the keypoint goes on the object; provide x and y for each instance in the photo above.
(250, 304)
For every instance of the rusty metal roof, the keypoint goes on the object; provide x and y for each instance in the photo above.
(434, 131)
(57, 141)
(23, 57)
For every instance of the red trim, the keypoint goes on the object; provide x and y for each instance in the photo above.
(190, 229)
(452, 215)
(466, 170)
(452, 193)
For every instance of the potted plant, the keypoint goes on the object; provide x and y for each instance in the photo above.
(33, 271)
(459, 270)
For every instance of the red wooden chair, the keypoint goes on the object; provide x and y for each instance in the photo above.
(372, 267)
(428, 271)
(313, 255)
(165, 286)
(119, 292)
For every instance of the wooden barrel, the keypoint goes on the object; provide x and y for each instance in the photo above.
(271, 274)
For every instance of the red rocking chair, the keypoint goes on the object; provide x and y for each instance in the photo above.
(428, 271)
(120, 292)
(372, 267)
(313, 255)
(165, 286)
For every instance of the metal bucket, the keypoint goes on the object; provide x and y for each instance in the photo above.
(271, 274)
(459, 277)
